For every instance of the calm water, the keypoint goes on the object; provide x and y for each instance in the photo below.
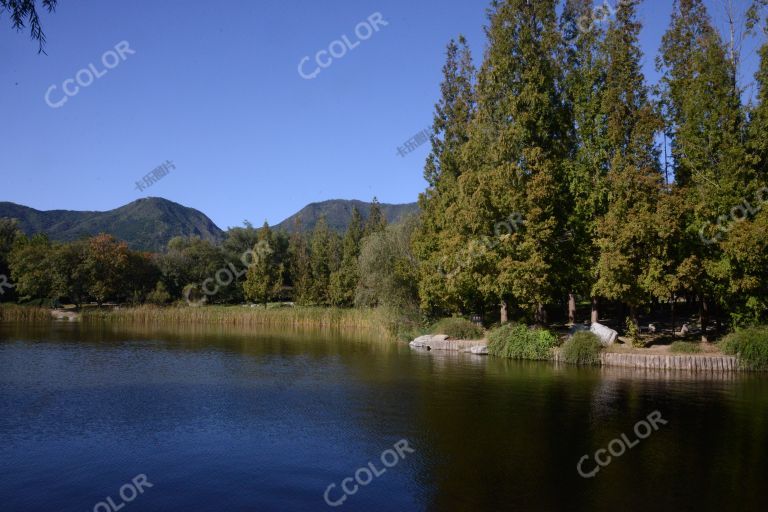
(248, 421)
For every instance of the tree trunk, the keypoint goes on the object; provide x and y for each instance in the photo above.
(674, 300)
(571, 308)
(704, 318)
(541, 315)
(504, 312)
(633, 316)
(595, 311)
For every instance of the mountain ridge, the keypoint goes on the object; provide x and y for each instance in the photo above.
(149, 223)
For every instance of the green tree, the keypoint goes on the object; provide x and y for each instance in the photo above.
(705, 121)
(586, 169)
(453, 113)
(376, 220)
(389, 269)
(264, 279)
(106, 265)
(324, 260)
(300, 267)
(343, 282)
(30, 267)
(518, 141)
(9, 231)
(634, 179)
(69, 273)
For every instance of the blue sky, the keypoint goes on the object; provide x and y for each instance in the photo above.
(215, 88)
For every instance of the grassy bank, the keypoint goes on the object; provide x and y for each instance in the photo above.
(14, 313)
(373, 321)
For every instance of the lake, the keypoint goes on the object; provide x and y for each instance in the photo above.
(100, 418)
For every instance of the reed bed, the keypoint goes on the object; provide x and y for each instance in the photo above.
(15, 313)
(373, 321)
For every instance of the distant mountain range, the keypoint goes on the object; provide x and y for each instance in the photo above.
(338, 212)
(148, 224)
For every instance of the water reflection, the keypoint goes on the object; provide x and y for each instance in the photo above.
(266, 420)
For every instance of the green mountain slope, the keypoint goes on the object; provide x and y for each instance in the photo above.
(338, 213)
(146, 224)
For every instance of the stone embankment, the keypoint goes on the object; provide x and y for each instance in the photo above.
(711, 363)
(443, 342)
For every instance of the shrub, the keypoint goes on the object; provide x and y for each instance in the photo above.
(633, 333)
(515, 341)
(750, 345)
(684, 347)
(458, 328)
(583, 348)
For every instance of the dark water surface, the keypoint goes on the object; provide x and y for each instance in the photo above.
(249, 421)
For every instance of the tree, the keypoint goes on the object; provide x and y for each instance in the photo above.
(264, 279)
(30, 267)
(705, 121)
(70, 278)
(518, 141)
(9, 231)
(388, 269)
(300, 266)
(24, 12)
(587, 167)
(106, 265)
(324, 260)
(343, 282)
(453, 113)
(634, 179)
(376, 220)
(189, 262)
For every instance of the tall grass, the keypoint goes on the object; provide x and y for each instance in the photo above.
(458, 328)
(375, 321)
(515, 341)
(15, 313)
(583, 348)
(750, 345)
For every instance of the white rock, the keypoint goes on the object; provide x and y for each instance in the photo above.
(481, 350)
(606, 334)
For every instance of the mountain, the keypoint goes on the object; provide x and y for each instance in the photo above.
(146, 224)
(338, 213)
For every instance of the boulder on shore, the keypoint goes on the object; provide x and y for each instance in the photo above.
(443, 342)
(606, 334)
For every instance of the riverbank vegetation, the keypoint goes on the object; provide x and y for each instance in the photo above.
(561, 187)
(374, 321)
(583, 349)
(517, 341)
(751, 345)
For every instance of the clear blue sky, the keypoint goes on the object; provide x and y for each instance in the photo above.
(214, 87)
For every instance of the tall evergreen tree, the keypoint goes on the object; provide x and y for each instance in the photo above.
(376, 220)
(264, 278)
(634, 179)
(343, 282)
(587, 166)
(453, 112)
(704, 118)
(300, 266)
(518, 142)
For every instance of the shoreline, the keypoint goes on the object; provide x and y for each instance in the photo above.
(373, 321)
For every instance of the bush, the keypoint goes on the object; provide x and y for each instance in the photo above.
(750, 345)
(458, 328)
(515, 341)
(684, 347)
(583, 348)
